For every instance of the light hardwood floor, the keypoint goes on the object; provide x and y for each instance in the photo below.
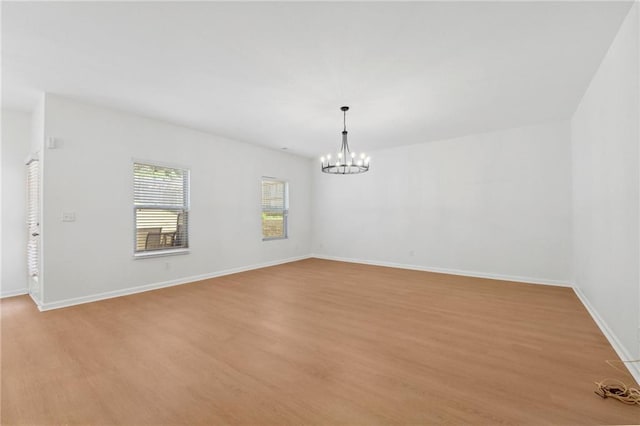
(311, 342)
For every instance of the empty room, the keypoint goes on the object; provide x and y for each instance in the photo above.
(266, 213)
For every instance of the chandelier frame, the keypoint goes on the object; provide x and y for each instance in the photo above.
(346, 162)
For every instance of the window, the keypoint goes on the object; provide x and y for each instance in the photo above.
(33, 226)
(275, 209)
(161, 208)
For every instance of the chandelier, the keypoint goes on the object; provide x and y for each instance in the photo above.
(345, 162)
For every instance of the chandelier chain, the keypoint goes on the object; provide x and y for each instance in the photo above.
(344, 120)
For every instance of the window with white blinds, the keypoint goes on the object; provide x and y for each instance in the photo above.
(161, 208)
(275, 209)
(33, 218)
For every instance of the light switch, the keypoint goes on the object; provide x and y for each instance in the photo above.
(68, 216)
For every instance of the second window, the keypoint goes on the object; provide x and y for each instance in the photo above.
(275, 209)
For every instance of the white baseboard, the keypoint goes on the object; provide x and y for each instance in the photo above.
(634, 368)
(474, 274)
(11, 293)
(139, 289)
(36, 301)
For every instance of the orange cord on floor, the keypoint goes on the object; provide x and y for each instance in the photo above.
(616, 389)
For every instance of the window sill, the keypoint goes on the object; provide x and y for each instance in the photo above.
(275, 238)
(160, 253)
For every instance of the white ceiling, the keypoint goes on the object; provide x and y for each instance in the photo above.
(275, 74)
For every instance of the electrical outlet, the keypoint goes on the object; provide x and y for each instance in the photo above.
(68, 216)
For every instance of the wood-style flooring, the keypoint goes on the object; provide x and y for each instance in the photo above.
(311, 342)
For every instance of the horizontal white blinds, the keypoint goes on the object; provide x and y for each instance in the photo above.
(33, 225)
(273, 195)
(160, 186)
(161, 202)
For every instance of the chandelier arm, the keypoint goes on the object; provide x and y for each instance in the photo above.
(345, 144)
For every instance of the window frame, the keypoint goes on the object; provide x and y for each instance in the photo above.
(186, 208)
(285, 210)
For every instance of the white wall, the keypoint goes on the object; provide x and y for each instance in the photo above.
(16, 131)
(494, 204)
(605, 156)
(91, 175)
